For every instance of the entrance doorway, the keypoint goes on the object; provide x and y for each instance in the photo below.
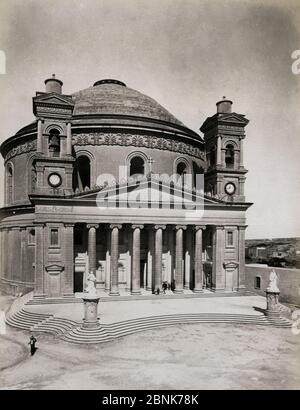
(78, 282)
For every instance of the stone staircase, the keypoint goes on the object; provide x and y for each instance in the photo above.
(110, 332)
(26, 320)
(71, 331)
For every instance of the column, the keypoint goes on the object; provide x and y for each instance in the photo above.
(172, 252)
(129, 261)
(218, 273)
(114, 260)
(150, 259)
(69, 139)
(235, 163)
(198, 288)
(241, 246)
(39, 144)
(107, 262)
(68, 287)
(187, 259)
(158, 256)
(4, 252)
(179, 259)
(241, 164)
(39, 260)
(23, 266)
(219, 159)
(241, 185)
(92, 247)
(136, 260)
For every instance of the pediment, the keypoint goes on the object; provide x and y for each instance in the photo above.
(53, 98)
(234, 118)
(147, 193)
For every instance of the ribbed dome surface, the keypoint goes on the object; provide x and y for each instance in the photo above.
(112, 97)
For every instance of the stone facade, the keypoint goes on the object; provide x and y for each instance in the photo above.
(53, 231)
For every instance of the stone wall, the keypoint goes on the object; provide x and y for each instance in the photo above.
(288, 281)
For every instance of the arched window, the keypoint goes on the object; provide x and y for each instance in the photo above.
(229, 156)
(137, 166)
(82, 173)
(181, 168)
(9, 184)
(54, 143)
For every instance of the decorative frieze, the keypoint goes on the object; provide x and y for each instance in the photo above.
(21, 149)
(146, 141)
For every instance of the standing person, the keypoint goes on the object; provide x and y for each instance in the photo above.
(32, 342)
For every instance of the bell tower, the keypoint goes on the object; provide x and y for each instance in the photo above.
(223, 136)
(54, 160)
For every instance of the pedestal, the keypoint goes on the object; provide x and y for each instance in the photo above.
(272, 303)
(90, 320)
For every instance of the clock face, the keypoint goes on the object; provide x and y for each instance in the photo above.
(230, 188)
(54, 180)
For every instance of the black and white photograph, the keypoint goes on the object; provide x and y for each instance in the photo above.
(149, 198)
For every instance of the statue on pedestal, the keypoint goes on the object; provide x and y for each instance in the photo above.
(273, 282)
(91, 285)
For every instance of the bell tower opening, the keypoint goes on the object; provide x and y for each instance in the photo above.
(54, 143)
(229, 156)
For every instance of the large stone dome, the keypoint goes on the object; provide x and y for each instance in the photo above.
(112, 98)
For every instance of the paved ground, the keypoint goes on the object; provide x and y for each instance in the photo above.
(199, 356)
(187, 357)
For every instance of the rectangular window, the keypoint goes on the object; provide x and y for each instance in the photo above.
(257, 283)
(54, 237)
(230, 238)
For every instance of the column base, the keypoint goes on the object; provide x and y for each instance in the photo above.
(40, 295)
(216, 290)
(198, 290)
(69, 295)
(178, 291)
(149, 289)
(136, 292)
(114, 293)
(186, 287)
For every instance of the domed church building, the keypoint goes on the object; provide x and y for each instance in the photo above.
(107, 181)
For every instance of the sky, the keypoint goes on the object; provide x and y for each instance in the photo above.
(187, 55)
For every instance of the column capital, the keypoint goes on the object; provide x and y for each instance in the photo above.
(244, 227)
(69, 224)
(118, 226)
(39, 224)
(180, 227)
(219, 227)
(137, 226)
(96, 226)
(159, 227)
(197, 227)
